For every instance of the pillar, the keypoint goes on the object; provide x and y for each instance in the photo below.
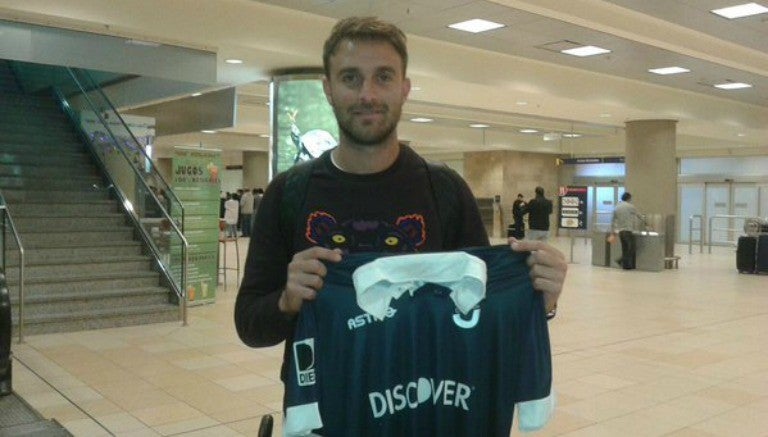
(255, 169)
(651, 172)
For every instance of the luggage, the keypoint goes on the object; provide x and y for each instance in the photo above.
(761, 261)
(746, 251)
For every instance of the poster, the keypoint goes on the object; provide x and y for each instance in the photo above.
(304, 125)
(196, 183)
(573, 208)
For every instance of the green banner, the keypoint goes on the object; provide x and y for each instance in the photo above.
(196, 182)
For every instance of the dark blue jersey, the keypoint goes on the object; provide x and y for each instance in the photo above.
(426, 368)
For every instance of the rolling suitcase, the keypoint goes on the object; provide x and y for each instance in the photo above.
(761, 261)
(746, 251)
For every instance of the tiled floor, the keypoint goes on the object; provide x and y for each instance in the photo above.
(676, 353)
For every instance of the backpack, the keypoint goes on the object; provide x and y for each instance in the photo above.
(442, 180)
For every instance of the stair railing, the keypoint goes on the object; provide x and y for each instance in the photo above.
(8, 223)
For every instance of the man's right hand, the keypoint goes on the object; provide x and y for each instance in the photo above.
(306, 272)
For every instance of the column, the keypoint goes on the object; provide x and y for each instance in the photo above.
(255, 169)
(651, 172)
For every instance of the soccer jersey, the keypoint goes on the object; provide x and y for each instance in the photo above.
(428, 367)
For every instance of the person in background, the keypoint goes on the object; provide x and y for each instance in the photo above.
(246, 212)
(258, 193)
(371, 178)
(222, 199)
(624, 223)
(518, 213)
(539, 210)
(231, 210)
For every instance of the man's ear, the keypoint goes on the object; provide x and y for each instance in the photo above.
(327, 90)
(406, 87)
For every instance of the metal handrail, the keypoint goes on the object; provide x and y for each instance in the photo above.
(701, 232)
(181, 289)
(7, 215)
(97, 88)
(711, 227)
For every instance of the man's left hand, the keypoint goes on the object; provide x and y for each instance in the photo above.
(548, 268)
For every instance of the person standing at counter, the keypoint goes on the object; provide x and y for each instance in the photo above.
(623, 223)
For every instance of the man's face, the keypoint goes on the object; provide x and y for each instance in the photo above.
(366, 89)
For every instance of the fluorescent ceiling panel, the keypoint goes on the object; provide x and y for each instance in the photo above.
(669, 70)
(732, 85)
(586, 51)
(740, 11)
(476, 25)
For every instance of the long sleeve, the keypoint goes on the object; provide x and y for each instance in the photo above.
(258, 320)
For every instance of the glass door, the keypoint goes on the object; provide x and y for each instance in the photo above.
(717, 200)
(691, 204)
(745, 203)
(604, 201)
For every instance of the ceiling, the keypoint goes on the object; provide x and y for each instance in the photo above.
(509, 78)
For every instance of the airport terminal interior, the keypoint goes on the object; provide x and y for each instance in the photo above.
(122, 124)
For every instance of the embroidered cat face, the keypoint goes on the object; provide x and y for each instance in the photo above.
(407, 234)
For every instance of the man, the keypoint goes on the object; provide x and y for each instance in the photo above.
(624, 222)
(518, 211)
(539, 210)
(365, 64)
(246, 211)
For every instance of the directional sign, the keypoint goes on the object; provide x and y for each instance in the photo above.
(573, 207)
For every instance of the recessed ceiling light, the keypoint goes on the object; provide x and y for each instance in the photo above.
(669, 70)
(528, 131)
(571, 135)
(605, 115)
(196, 94)
(732, 85)
(422, 120)
(233, 61)
(476, 25)
(479, 125)
(741, 135)
(206, 131)
(740, 11)
(415, 88)
(521, 103)
(138, 42)
(585, 51)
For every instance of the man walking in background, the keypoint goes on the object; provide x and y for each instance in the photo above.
(539, 210)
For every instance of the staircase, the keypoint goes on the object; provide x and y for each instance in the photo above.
(84, 268)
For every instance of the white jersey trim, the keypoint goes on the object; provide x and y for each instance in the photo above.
(387, 278)
(300, 420)
(533, 415)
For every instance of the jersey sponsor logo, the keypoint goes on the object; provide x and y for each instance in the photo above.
(469, 323)
(304, 357)
(365, 319)
(445, 392)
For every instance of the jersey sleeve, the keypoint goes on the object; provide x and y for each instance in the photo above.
(302, 399)
(535, 399)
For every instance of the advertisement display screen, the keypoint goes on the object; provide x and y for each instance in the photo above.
(303, 124)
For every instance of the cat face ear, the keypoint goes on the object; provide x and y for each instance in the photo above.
(413, 227)
(320, 225)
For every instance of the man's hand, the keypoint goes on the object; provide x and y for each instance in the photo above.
(548, 268)
(305, 277)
